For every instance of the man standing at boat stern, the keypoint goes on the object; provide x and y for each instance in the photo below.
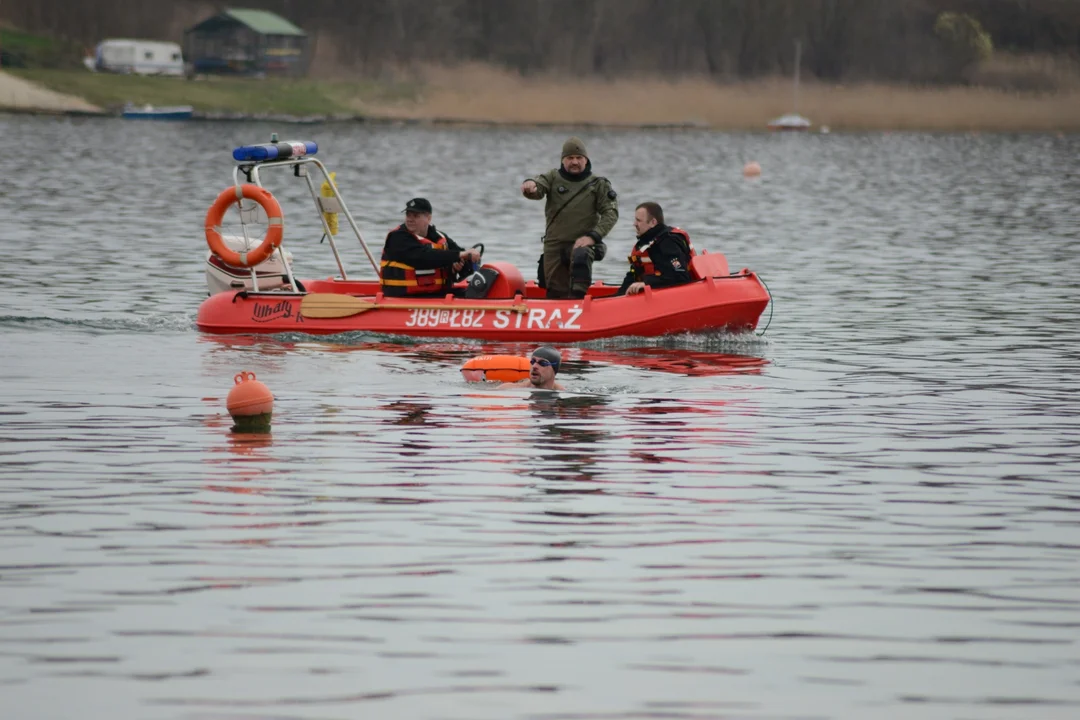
(581, 210)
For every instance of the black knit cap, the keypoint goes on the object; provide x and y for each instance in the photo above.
(550, 354)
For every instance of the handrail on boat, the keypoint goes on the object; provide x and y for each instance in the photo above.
(251, 169)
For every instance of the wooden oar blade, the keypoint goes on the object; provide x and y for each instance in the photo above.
(333, 305)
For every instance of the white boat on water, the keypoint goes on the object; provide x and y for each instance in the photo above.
(793, 121)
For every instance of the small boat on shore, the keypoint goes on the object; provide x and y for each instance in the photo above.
(793, 121)
(152, 112)
(253, 289)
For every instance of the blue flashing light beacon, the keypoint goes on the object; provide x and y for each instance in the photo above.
(275, 151)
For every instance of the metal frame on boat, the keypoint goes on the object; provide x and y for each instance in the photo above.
(334, 204)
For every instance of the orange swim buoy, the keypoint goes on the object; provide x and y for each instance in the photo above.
(249, 396)
(497, 368)
(250, 403)
(216, 214)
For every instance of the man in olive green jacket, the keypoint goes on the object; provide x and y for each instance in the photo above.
(581, 209)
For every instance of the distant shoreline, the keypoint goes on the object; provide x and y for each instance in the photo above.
(360, 119)
(485, 97)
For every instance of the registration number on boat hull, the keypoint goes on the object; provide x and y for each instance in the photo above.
(533, 318)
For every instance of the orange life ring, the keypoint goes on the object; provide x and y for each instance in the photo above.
(498, 368)
(216, 214)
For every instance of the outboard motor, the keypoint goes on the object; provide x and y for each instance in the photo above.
(496, 280)
(481, 282)
(222, 277)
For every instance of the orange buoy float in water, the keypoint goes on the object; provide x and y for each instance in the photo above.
(250, 403)
(497, 368)
(751, 169)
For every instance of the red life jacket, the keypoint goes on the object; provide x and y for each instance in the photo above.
(640, 262)
(399, 279)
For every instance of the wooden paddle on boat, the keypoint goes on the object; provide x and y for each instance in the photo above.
(335, 305)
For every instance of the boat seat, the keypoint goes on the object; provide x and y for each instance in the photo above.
(509, 283)
(708, 264)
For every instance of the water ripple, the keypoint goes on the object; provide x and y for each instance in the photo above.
(871, 510)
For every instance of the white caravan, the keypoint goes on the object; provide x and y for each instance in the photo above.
(143, 57)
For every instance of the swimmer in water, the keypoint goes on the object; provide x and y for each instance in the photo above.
(543, 365)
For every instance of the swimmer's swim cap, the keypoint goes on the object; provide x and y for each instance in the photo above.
(550, 354)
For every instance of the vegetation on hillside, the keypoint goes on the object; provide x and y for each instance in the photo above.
(866, 64)
(20, 49)
(915, 41)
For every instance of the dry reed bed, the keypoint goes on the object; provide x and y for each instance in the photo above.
(480, 94)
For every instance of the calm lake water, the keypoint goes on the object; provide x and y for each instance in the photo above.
(870, 512)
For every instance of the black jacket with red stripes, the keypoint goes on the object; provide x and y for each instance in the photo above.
(404, 248)
(670, 257)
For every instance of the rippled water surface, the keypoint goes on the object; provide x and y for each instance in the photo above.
(870, 512)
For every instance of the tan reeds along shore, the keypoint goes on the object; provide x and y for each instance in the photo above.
(483, 94)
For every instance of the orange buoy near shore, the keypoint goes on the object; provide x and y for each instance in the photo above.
(250, 403)
(751, 169)
(497, 368)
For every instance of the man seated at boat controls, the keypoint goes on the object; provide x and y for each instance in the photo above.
(420, 261)
(661, 255)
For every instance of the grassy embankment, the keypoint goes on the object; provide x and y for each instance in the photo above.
(486, 95)
(219, 94)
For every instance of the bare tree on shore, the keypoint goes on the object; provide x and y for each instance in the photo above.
(724, 39)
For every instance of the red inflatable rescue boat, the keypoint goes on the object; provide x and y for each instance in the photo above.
(265, 297)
